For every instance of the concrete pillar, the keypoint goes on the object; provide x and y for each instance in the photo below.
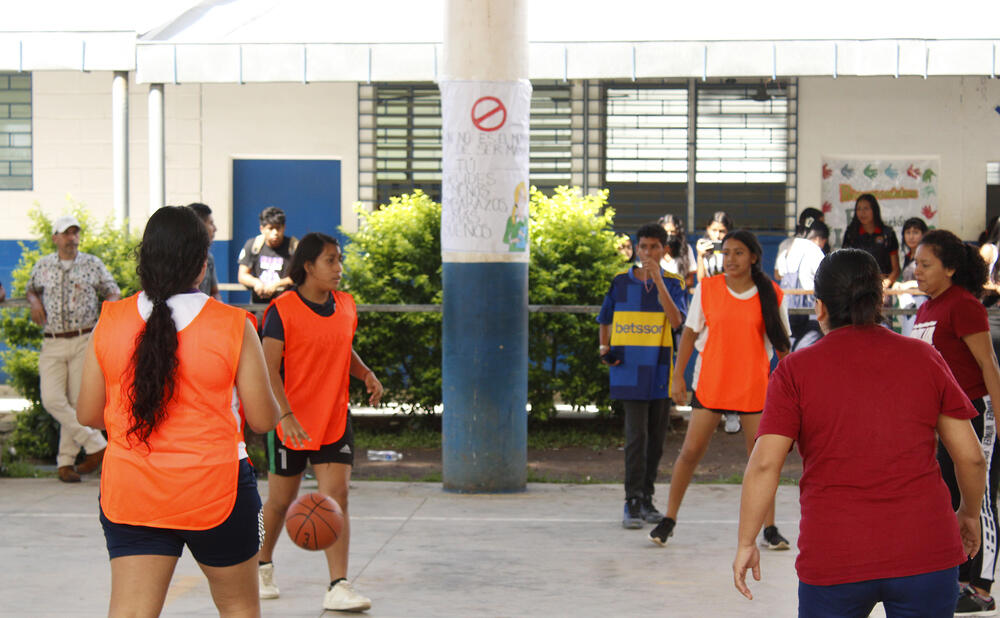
(486, 99)
(692, 156)
(119, 145)
(157, 149)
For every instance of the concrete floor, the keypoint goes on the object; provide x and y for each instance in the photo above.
(554, 550)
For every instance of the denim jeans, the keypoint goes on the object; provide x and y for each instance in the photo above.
(928, 595)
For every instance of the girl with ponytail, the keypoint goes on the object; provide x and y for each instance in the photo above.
(162, 376)
(739, 314)
(953, 274)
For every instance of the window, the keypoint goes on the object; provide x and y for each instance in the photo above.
(647, 134)
(741, 136)
(400, 139)
(15, 131)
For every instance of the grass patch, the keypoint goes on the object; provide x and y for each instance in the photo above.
(397, 439)
(535, 477)
(542, 438)
(18, 469)
(430, 477)
(597, 438)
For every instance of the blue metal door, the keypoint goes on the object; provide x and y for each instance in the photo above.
(308, 190)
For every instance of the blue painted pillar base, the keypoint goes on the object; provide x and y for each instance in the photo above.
(485, 377)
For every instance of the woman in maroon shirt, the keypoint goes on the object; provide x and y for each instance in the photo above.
(877, 524)
(952, 273)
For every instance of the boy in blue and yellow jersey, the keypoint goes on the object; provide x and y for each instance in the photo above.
(640, 310)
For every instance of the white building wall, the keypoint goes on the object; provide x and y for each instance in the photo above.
(275, 120)
(206, 125)
(952, 117)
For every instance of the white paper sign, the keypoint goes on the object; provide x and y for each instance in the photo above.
(485, 139)
(904, 187)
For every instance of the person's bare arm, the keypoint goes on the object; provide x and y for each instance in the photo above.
(893, 272)
(604, 343)
(959, 438)
(249, 281)
(361, 371)
(678, 387)
(37, 309)
(760, 482)
(663, 295)
(92, 398)
(253, 384)
(981, 346)
(3, 294)
(290, 426)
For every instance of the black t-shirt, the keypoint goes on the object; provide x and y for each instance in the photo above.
(269, 265)
(881, 244)
(275, 329)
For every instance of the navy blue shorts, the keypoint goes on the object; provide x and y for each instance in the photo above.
(233, 541)
(928, 595)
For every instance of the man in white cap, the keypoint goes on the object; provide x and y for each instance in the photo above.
(63, 293)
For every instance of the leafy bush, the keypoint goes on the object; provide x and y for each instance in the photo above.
(395, 258)
(573, 259)
(36, 433)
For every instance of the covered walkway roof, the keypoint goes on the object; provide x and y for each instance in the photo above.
(237, 41)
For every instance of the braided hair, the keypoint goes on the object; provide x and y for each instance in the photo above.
(171, 257)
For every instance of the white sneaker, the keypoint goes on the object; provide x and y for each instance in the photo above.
(265, 577)
(343, 598)
(732, 423)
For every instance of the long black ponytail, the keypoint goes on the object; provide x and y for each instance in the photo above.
(171, 256)
(773, 325)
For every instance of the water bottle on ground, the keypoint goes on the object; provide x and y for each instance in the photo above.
(384, 455)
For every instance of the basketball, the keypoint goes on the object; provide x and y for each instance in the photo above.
(314, 521)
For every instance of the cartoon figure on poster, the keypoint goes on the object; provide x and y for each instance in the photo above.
(905, 187)
(516, 233)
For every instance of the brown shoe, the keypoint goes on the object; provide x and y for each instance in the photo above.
(91, 462)
(68, 475)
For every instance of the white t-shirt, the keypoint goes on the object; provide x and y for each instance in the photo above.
(696, 322)
(671, 265)
(184, 308)
(797, 268)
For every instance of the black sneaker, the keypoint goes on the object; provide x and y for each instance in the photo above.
(663, 531)
(971, 604)
(774, 540)
(648, 512)
(633, 514)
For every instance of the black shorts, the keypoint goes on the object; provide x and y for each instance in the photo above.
(284, 461)
(233, 541)
(697, 404)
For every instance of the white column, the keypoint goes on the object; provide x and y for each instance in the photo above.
(486, 40)
(119, 144)
(157, 149)
(485, 106)
(692, 159)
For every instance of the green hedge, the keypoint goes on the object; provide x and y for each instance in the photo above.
(395, 258)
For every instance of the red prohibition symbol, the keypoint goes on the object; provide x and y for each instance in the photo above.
(488, 114)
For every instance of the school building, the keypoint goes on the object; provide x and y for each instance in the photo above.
(314, 106)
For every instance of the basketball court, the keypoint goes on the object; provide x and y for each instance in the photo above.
(418, 551)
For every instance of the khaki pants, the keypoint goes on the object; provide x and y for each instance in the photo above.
(60, 369)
